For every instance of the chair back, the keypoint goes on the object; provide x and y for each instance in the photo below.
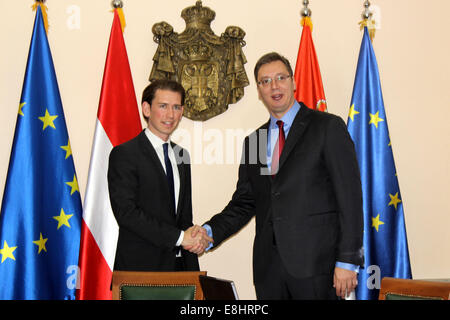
(406, 289)
(139, 285)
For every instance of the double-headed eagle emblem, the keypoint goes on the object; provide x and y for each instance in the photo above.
(210, 68)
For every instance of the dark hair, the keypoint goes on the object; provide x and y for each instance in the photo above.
(271, 57)
(162, 84)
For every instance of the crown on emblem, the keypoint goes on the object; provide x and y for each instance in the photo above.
(198, 51)
(198, 13)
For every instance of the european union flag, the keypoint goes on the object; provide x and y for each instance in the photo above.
(385, 244)
(41, 208)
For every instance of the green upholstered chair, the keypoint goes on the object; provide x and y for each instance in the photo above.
(406, 289)
(134, 285)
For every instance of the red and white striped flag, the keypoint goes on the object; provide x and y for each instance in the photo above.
(118, 121)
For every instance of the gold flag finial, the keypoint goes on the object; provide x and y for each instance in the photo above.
(306, 15)
(118, 5)
(43, 10)
(367, 20)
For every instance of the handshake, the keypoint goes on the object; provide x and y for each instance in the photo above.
(196, 239)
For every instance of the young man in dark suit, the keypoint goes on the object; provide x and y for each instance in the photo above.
(149, 180)
(299, 176)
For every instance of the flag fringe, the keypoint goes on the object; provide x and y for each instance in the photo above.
(121, 15)
(44, 13)
(370, 24)
(306, 21)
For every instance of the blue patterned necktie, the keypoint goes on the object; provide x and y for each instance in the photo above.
(169, 174)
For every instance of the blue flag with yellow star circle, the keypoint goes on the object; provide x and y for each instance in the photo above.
(385, 243)
(41, 208)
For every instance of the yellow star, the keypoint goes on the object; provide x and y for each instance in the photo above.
(375, 118)
(376, 222)
(394, 200)
(74, 185)
(63, 219)
(68, 149)
(20, 108)
(352, 113)
(48, 120)
(7, 252)
(41, 243)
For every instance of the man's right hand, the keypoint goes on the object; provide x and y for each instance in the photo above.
(196, 239)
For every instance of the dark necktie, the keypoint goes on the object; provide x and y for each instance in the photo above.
(277, 149)
(169, 174)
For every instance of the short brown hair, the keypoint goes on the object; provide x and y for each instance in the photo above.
(149, 92)
(163, 84)
(271, 57)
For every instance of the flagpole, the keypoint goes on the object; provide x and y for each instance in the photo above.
(118, 6)
(367, 20)
(306, 12)
(306, 15)
(367, 14)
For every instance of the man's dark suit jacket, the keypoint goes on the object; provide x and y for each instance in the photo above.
(313, 204)
(139, 194)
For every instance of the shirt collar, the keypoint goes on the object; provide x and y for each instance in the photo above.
(156, 141)
(287, 119)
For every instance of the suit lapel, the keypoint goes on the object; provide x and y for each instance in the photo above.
(261, 147)
(150, 153)
(298, 127)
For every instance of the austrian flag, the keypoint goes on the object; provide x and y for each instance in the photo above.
(118, 121)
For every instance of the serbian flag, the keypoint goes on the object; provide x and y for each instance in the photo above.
(118, 121)
(307, 72)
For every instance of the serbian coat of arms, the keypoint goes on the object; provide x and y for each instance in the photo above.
(210, 68)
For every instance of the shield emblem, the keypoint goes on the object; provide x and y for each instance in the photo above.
(210, 68)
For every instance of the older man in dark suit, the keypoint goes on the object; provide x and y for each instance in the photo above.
(149, 180)
(299, 175)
